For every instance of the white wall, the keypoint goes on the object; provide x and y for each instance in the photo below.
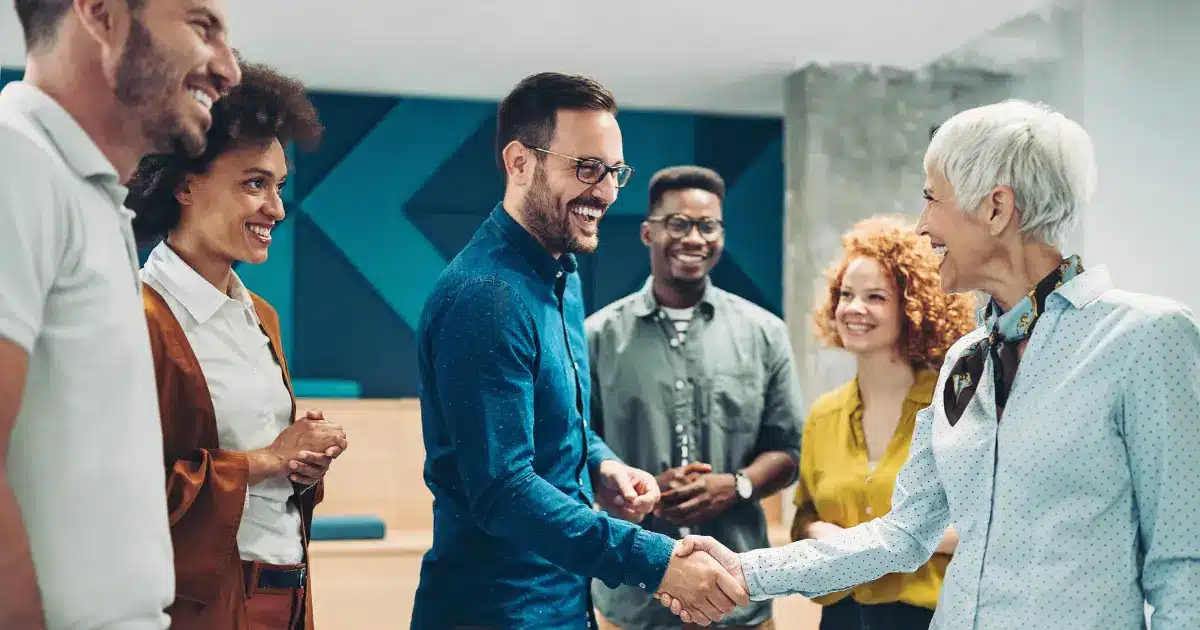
(1140, 88)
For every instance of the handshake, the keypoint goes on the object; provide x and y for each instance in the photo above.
(704, 580)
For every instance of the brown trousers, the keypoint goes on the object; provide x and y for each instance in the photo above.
(272, 608)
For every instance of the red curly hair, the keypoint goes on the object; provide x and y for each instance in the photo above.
(933, 320)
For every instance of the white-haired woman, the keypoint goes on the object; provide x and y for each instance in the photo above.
(1063, 441)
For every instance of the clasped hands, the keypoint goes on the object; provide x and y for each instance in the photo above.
(703, 581)
(306, 449)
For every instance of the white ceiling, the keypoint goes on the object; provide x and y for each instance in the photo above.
(701, 55)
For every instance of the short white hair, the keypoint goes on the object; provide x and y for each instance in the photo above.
(1046, 158)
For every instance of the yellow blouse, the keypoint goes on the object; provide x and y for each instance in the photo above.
(837, 485)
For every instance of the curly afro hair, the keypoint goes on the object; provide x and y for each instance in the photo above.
(265, 106)
(933, 320)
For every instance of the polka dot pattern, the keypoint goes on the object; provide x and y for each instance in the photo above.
(1077, 506)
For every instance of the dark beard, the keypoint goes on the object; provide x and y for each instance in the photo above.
(547, 221)
(143, 83)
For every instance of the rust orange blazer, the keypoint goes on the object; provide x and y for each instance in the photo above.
(206, 486)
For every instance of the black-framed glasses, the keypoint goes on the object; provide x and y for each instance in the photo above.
(593, 171)
(679, 226)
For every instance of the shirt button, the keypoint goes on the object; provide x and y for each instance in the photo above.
(678, 384)
(558, 275)
(869, 510)
(679, 428)
(684, 451)
(674, 343)
(642, 585)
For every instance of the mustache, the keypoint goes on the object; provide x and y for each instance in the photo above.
(588, 200)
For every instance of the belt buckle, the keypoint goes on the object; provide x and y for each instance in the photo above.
(303, 573)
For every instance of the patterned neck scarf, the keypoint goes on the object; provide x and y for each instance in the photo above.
(1008, 331)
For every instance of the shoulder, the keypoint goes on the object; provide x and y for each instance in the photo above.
(31, 175)
(612, 315)
(749, 313)
(830, 405)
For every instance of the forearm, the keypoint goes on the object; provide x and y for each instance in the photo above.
(598, 452)
(771, 472)
(20, 600)
(533, 514)
(262, 465)
(854, 556)
(949, 541)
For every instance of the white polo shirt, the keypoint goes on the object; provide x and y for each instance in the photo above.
(86, 454)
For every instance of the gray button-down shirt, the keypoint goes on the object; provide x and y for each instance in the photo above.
(722, 393)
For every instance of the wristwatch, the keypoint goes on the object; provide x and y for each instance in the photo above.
(744, 487)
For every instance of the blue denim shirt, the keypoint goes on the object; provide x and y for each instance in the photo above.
(504, 382)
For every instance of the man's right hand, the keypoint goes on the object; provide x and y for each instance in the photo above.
(704, 546)
(702, 588)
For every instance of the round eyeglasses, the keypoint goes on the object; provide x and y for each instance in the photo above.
(593, 171)
(679, 226)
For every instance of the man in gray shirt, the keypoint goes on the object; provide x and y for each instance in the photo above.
(697, 385)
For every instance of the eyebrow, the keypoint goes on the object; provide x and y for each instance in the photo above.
(600, 159)
(215, 22)
(254, 170)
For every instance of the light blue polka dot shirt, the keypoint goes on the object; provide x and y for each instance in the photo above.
(1079, 505)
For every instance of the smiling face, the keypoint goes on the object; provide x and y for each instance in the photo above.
(229, 211)
(964, 240)
(174, 64)
(561, 211)
(683, 261)
(867, 317)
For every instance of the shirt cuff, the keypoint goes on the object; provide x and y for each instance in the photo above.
(649, 559)
(750, 571)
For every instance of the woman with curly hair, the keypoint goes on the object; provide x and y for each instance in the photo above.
(243, 474)
(883, 305)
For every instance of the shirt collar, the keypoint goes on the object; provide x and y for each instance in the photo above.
(920, 394)
(547, 266)
(77, 148)
(198, 296)
(1084, 288)
(646, 304)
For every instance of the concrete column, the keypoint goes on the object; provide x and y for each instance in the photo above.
(855, 137)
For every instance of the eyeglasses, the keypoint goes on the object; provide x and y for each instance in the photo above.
(679, 226)
(593, 171)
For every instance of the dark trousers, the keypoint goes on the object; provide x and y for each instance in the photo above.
(851, 615)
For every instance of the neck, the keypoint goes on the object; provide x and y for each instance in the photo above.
(80, 89)
(884, 376)
(1019, 270)
(217, 270)
(514, 205)
(677, 295)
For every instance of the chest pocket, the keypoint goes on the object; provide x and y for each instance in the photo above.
(735, 401)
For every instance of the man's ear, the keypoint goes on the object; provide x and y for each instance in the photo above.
(647, 240)
(106, 21)
(519, 165)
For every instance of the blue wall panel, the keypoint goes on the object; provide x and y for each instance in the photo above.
(399, 185)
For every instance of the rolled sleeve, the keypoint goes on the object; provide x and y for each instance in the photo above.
(485, 357)
(1162, 432)
(783, 403)
(32, 238)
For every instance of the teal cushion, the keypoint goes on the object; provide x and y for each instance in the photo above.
(326, 388)
(348, 528)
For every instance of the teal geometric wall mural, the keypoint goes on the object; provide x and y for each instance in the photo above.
(400, 184)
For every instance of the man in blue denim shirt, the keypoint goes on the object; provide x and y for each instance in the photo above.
(503, 366)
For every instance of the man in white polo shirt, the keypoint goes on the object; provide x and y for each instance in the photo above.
(84, 540)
